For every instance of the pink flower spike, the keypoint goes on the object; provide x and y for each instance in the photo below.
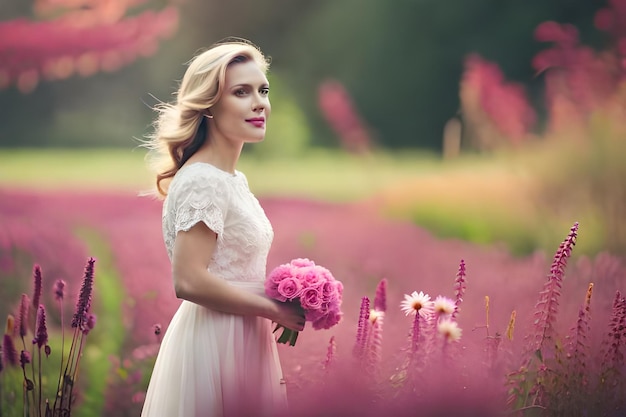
(380, 300)
(459, 288)
(547, 306)
(36, 286)
(417, 303)
(90, 323)
(59, 289)
(24, 358)
(361, 335)
(330, 353)
(41, 334)
(84, 299)
(23, 316)
(10, 356)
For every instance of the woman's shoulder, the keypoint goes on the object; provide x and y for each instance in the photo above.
(200, 177)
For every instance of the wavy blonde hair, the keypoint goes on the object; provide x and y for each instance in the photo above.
(180, 128)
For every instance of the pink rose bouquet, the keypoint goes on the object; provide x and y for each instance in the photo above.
(313, 286)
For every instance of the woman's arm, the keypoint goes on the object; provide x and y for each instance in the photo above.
(193, 282)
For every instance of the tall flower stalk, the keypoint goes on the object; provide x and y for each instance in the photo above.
(82, 322)
(547, 307)
(528, 384)
(361, 335)
(459, 288)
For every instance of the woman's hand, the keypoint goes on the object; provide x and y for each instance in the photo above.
(289, 315)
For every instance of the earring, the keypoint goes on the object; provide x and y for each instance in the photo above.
(208, 116)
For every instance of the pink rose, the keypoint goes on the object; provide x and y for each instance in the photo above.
(275, 277)
(329, 291)
(327, 321)
(290, 288)
(311, 299)
(310, 278)
(302, 262)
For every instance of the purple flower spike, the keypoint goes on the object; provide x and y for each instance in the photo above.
(84, 299)
(23, 316)
(59, 289)
(547, 306)
(361, 335)
(459, 288)
(330, 352)
(380, 301)
(90, 323)
(41, 335)
(10, 356)
(36, 286)
(24, 358)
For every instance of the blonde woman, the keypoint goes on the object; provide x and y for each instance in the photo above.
(218, 356)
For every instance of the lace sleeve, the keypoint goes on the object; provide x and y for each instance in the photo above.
(200, 198)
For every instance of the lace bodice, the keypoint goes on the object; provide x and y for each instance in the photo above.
(200, 192)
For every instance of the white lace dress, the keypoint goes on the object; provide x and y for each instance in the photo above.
(213, 364)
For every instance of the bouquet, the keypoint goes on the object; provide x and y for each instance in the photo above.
(313, 286)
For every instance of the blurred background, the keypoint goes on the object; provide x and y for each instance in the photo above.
(525, 98)
(83, 72)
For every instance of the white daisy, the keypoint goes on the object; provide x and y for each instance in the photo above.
(450, 330)
(443, 306)
(417, 303)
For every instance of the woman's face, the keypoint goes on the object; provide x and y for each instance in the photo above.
(242, 111)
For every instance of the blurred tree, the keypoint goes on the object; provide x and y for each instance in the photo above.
(402, 60)
(56, 39)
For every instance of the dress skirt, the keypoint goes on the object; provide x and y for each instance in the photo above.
(213, 364)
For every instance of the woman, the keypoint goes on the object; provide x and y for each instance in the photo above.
(218, 356)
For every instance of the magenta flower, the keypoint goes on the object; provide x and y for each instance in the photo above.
(41, 333)
(302, 262)
(36, 286)
(361, 334)
(24, 358)
(547, 306)
(90, 323)
(59, 289)
(311, 276)
(459, 288)
(330, 352)
(290, 288)
(10, 356)
(23, 315)
(327, 321)
(311, 298)
(310, 285)
(84, 299)
(380, 300)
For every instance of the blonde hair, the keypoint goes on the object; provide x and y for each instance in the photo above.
(180, 127)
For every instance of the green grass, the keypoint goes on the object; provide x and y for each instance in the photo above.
(482, 199)
(108, 336)
(321, 174)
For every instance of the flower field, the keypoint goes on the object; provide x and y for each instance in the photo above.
(59, 229)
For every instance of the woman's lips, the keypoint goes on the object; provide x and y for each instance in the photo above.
(257, 121)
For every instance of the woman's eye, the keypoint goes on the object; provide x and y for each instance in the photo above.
(265, 91)
(240, 92)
